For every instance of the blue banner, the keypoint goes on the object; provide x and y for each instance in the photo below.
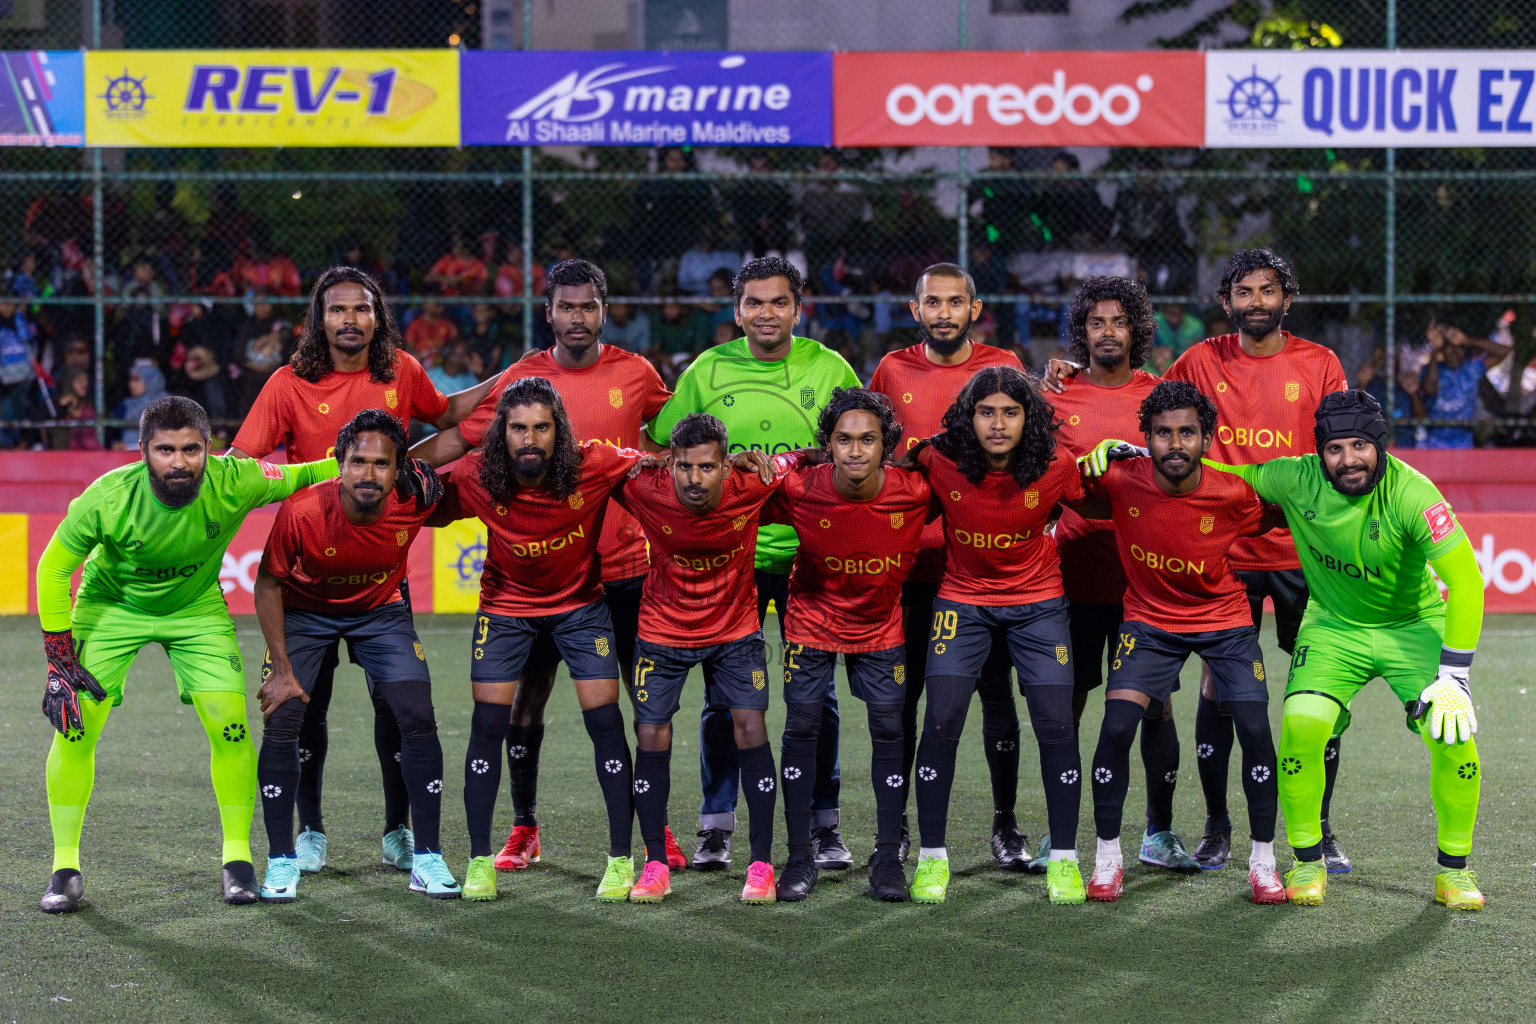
(42, 99)
(642, 98)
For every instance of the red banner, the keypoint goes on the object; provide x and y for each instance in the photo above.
(1019, 98)
(1505, 545)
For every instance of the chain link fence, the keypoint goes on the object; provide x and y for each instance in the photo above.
(194, 265)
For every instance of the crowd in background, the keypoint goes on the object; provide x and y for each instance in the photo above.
(1032, 241)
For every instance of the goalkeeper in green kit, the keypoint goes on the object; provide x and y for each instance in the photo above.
(152, 536)
(1365, 525)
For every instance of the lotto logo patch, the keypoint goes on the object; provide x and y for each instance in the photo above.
(270, 471)
(271, 792)
(1069, 777)
(1441, 520)
(927, 774)
(613, 767)
(1031, 499)
(938, 648)
(898, 519)
(402, 538)
(576, 500)
(1207, 524)
(1468, 770)
(1290, 765)
(421, 655)
(435, 786)
(601, 643)
(330, 552)
(954, 495)
(1061, 654)
(479, 766)
(234, 733)
(479, 653)
(615, 397)
(1102, 775)
(759, 679)
(1258, 671)
(323, 409)
(791, 773)
(501, 509)
(894, 781)
(642, 786)
(391, 397)
(1260, 773)
(1292, 391)
(826, 524)
(1221, 387)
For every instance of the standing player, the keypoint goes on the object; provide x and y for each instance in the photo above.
(860, 522)
(1263, 381)
(921, 382)
(998, 478)
(1174, 525)
(331, 571)
(152, 536)
(610, 395)
(349, 359)
(1369, 524)
(768, 388)
(698, 610)
(1111, 328)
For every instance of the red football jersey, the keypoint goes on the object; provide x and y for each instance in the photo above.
(1265, 407)
(845, 586)
(608, 401)
(1174, 547)
(305, 417)
(327, 563)
(542, 549)
(700, 590)
(996, 549)
(921, 393)
(1090, 413)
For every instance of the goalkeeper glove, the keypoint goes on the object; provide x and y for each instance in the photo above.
(1096, 462)
(418, 480)
(61, 702)
(1448, 700)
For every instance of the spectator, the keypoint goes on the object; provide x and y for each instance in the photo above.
(23, 282)
(429, 332)
(991, 277)
(354, 253)
(509, 278)
(1448, 387)
(1371, 378)
(77, 404)
(459, 272)
(145, 384)
(679, 330)
(259, 268)
(672, 210)
(722, 311)
(627, 328)
(762, 209)
(452, 372)
(261, 345)
(202, 379)
(142, 331)
(18, 369)
(698, 266)
(832, 212)
(1147, 227)
(1177, 328)
(493, 338)
(1071, 213)
(1000, 204)
(209, 270)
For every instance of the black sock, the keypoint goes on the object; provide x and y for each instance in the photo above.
(277, 775)
(653, 787)
(315, 742)
(1112, 765)
(1160, 758)
(1308, 854)
(482, 773)
(935, 778)
(1000, 740)
(828, 781)
(1330, 775)
(1050, 715)
(421, 767)
(523, 745)
(610, 750)
(910, 731)
(887, 774)
(797, 766)
(757, 785)
(388, 745)
(1213, 752)
(1448, 860)
(1260, 785)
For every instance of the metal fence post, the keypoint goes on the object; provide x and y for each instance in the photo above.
(527, 204)
(962, 155)
(1389, 284)
(98, 262)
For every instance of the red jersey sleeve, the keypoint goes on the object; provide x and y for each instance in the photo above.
(654, 392)
(283, 543)
(427, 403)
(472, 427)
(264, 426)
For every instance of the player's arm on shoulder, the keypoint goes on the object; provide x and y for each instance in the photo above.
(462, 403)
(261, 483)
(451, 508)
(753, 460)
(1094, 501)
(262, 429)
(684, 400)
(1269, 480)
(441, 448)
(917, 457)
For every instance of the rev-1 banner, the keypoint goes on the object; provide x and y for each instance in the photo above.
(630, 98)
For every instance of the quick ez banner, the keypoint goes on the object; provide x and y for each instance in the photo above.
(638, 98)
(40, 101)
(1366, 98)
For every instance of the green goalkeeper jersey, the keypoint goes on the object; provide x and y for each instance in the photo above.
(773, 407)
(160, 560)
(1365, 558)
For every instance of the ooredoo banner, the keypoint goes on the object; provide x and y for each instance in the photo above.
(1408, 98)
(629, 98)
(1019, 98)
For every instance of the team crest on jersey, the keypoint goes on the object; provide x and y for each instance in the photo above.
(1074, 419)
(1031, 499)
(1375, 529)
(807, 398)
(736, 523)
(1292, 391)
(391, 397)
(1133, 512)
(1221, 387)
(601, 643)
(421, 655)
(1258, 671)
(900, 674)
(907, 397)
(402, 538)
(324, 408)
(330, 552)
(576, 500)
(1207, 524)
(1061, 654)
(897, 519)
(213, 530)
(615, 397)
(501, 509)
(759, 679)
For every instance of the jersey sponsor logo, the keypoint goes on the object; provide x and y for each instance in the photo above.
(1258, 671)
(324, 408)
(1061, 654)
(826, 524)
(402, 538)
(1074, 419)
(330, 552)
(992, 540)
(907, 398)
(1167, 563)
(1343, 567)
(212, 529)
(357, 579)
(172, 572)
(1292, 391)
(1221, 387)
(863, 565)
(269, 471)
(539, 548)
(1133, 512)
(1441, 520)
(707, 563)
(898, 519)
(616, 397)
(736, 524)
(576, 500)
(759, 679)
(1255, 437)
(601, 644)
(1207, 524)
(1031, 499)
(807, 398)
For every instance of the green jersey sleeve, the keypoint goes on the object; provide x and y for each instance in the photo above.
(1426, 516)
(1272, 480)
(685, 399)
(1463, 596)
(80, 530)
(254, 483)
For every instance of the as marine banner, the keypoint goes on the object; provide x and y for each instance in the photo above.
(272, 98)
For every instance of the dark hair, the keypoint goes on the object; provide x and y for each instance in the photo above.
(173, 412)
(763, 268)
(573, 274)
(699, 428)
(496, 462)
(1132, 298)
(950, 270)
(1177, 394)
(1036, 448)
(1245, 261)
(854, 399)
(312, 360)
(371, 421)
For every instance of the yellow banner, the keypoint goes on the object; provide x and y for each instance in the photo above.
(458, 552)
(272, 98)
(14, 575)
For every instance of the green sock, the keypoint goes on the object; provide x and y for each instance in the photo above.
(232, 765)
(71, 773)
(1455, 783)
(1305, 727)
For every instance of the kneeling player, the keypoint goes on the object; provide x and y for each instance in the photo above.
(1173, 526)
(156, 532)
(1370, 524)
(331, 571)
(699, 608)
(860, 522)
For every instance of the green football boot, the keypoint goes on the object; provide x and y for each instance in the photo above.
(1457, 889)
(618, 879)
(931, 881)
(1306, 883)
(480, 879)
(1064, 882)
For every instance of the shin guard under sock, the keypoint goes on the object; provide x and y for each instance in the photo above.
(1213, 753)
(232, 768)
(388, 746)
(482, 772)
(1250, 718)
(887, 771)
(653, 787)
(315, 742)
(277, 773)
(523, 745)
(610, 751)
(797, 766)
(1160, 758)
(1330, 776)
(935, 778)
(757, 787)
(1112, 765)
